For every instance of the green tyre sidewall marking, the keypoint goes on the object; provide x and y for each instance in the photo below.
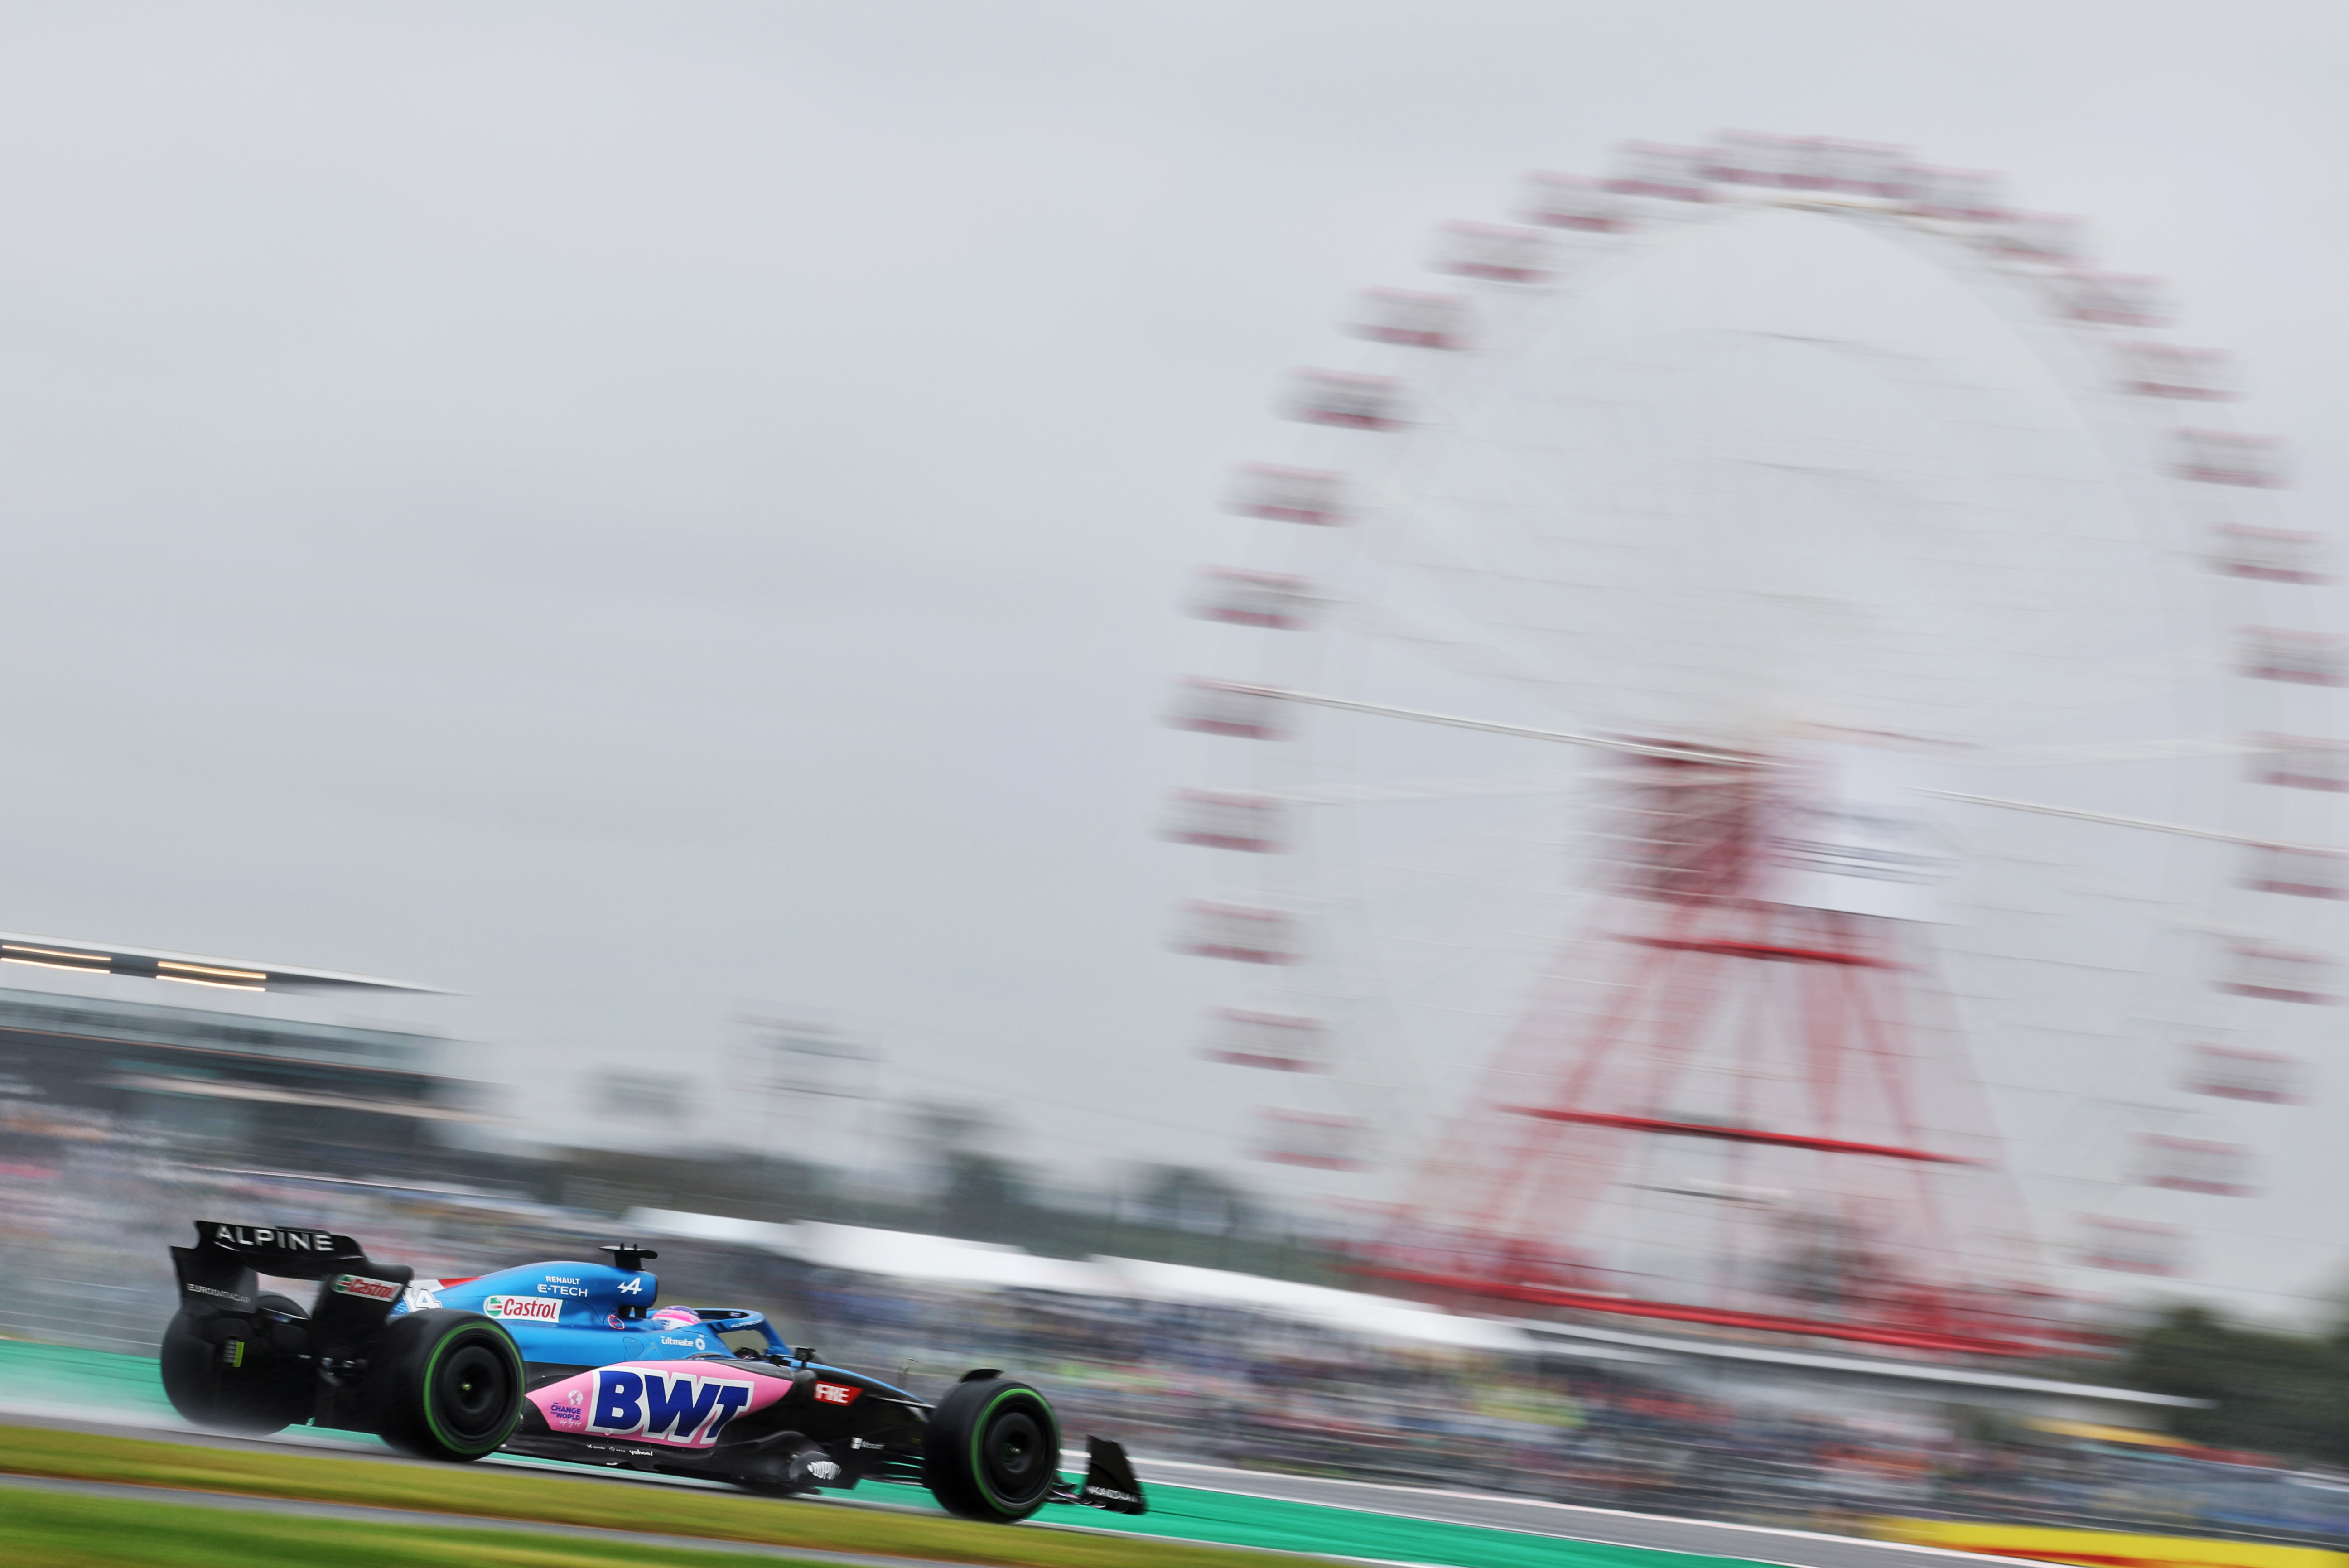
(978, 1437)
(432, 1366)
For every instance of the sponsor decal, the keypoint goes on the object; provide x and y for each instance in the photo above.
(268, 1236)
(562, 1279)
(837, 1393)
(634, 1285)
(672, 1339)
(823, 1469)
(534, 1309)
(556, 1288)
(612, 1320)
(224, 1295)
(421, 1298)
(650, 1403)
(360, 1286)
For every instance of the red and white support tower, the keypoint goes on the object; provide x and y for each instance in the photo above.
(1727, 1106)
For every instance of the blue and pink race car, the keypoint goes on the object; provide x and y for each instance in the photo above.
(575, 1361)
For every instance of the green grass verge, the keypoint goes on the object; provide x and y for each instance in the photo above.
(1187, 1527)
(505, 1493)
(46, 1531)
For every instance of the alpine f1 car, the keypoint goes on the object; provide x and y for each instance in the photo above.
(573, 1361)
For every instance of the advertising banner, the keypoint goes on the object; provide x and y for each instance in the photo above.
(1856, 833)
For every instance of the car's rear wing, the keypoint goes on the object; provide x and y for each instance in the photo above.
(285, 1252)
(219, 1276)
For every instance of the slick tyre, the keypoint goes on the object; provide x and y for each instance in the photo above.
(242, 1382)
(446, 1384)
(992, 1452)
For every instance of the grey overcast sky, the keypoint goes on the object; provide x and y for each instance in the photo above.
(638, 512)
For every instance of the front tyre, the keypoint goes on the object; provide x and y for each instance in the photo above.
(992, 1452)
(448, 1385)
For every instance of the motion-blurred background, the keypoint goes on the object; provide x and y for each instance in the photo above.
(662, 531)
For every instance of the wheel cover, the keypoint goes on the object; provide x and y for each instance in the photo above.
(471, 1392)
(1012, 1455)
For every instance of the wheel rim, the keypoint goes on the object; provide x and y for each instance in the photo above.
(473, 1391)
(1015, 1458)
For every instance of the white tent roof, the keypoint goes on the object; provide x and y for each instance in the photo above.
(900, 1254)
(944, 1260)
(910, 1256)
(1351, 1312)
(712, 1228)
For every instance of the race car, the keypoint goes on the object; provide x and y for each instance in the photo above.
(575, 1361)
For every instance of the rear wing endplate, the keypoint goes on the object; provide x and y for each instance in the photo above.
(219, 1274)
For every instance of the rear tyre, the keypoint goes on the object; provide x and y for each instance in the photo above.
(448, 1385)
(992, 1452)
(247, 1381)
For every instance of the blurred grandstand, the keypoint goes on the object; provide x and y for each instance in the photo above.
(1179, 1310)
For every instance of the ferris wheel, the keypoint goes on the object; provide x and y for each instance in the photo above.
(1761, 757)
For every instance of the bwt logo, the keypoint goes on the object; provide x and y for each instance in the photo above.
(682, 1408)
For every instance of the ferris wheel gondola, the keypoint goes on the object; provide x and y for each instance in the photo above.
(1663, 591)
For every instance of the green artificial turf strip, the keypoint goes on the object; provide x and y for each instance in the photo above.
(1232, 1519)
(40, 1530)
(99, 1382)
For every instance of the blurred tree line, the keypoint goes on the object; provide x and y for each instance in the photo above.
(2271, 1391)
(1171, 1214)
(953, 1181)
